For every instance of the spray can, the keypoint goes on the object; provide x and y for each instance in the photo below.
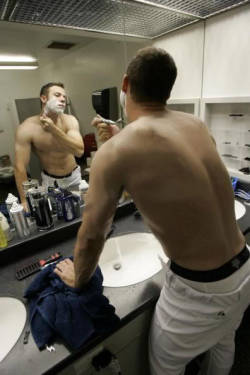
(9, 201)
(19, 219)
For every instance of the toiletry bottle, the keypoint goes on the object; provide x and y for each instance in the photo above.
(3, 239)
(83, 188)
(43, 211)
(20, 221)
(5, 227)
(52, 199)
(59, 203)
(9, 201)
(76, 203)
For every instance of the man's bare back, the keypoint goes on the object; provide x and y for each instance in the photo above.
(181, 188)
(53, 158)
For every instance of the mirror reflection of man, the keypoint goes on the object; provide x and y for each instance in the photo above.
(54, 137)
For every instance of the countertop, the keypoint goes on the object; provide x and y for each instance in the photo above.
(129, 301)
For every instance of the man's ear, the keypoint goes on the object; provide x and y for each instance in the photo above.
(43, 99)
(125, 83)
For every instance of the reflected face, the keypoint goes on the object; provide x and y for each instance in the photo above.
(55, 101)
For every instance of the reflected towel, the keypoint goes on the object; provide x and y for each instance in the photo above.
(74, 315)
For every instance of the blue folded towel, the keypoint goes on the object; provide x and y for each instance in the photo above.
(74, 315)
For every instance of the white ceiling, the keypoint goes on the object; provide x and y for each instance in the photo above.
(31, 40)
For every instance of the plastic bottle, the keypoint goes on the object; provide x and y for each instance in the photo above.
(83, 188)
(5, 227)
(3, 239)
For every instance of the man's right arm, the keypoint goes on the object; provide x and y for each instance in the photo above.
(104, 131)
(22, 158)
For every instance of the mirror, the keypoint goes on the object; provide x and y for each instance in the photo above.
(94, 61)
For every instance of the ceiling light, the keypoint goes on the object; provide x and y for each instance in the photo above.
(17, 58)
(7, 63)
(18, 67)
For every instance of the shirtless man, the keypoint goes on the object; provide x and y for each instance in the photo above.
(168, 162)
(54, 137)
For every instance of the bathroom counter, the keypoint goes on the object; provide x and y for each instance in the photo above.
(130, 301)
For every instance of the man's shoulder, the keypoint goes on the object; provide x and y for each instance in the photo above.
(26, 130)
(68, 117)
(128, 139)
(29, 122)
(69, 120)
(186, 116)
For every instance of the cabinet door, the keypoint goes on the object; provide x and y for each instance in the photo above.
(130, 346)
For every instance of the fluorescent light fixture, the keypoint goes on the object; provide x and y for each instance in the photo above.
(17, 62)
(16, 58)
(18, 67)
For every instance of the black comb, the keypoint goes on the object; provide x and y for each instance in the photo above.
(36, 266)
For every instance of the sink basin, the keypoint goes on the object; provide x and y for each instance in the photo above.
(130, 259)
(12, 320)
(240, 209)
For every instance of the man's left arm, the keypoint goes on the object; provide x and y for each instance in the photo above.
(105, 187)
(71, 141)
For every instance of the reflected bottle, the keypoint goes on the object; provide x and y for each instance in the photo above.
(20, 221)
(43, 212)
(3, 239)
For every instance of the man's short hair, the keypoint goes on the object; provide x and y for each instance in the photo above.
(151, 74)
(45, 88)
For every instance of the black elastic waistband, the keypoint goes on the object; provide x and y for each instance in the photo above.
(58, 177)
(213, 275)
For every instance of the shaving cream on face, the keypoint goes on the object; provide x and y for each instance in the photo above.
(53, 105)
(123, 101)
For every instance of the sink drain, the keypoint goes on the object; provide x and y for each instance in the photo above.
(117, 266)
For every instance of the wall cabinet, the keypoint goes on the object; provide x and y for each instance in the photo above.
(229, 121)
(130, 346)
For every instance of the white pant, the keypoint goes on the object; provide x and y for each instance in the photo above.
(72, 181)
(193, 317)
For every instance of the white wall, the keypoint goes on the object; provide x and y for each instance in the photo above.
(14, 85)
(226, 56)
(186, 47)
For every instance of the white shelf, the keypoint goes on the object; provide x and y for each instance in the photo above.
(233, 100)
(229, 121)
(190, 105)
(227, 99)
